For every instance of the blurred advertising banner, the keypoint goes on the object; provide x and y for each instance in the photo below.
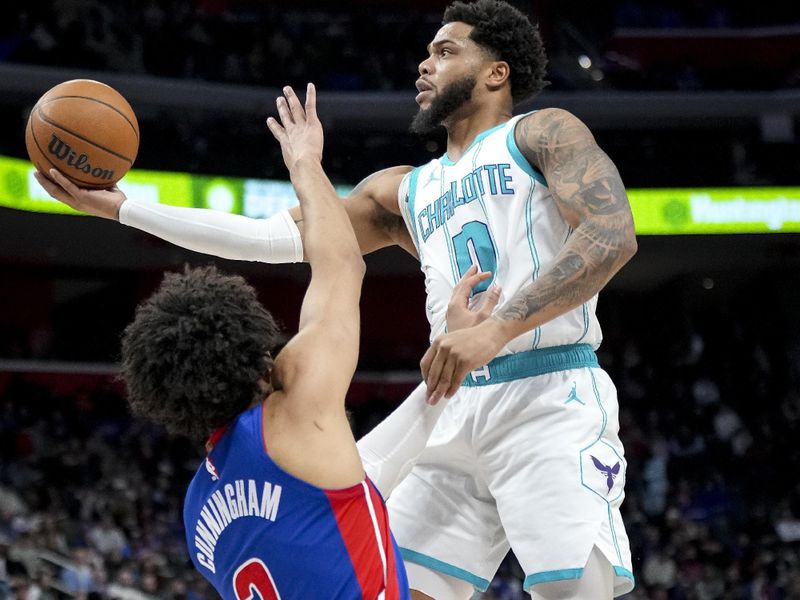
(665, 211)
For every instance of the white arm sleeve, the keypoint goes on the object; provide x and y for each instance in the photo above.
(273, 240)
(391, 449)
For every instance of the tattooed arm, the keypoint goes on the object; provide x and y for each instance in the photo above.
(590, 196)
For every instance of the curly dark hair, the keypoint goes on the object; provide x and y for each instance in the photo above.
(195, 354)
(508, 35)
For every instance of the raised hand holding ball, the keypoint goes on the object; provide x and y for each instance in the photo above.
(84, 129)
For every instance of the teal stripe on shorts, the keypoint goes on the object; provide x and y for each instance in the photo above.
(566, 575)
(424, 560)
(548, 576)
(623, 572)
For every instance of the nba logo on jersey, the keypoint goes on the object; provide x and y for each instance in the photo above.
(212, 469)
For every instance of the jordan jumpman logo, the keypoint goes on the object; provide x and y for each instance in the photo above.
(573, 395)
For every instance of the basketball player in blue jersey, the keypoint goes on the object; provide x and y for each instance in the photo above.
(281, 507)
(526, 455)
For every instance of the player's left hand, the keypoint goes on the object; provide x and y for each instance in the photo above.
(100, 203)
(453, 355)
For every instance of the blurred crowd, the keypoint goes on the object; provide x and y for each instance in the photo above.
(710, 411)
(90, 501)
(688, 45)
(354, 46)
(710, 14)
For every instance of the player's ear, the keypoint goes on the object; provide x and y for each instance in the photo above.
(498, 74)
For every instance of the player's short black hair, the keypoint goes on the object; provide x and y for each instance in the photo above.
(510, 36)
(195, 354)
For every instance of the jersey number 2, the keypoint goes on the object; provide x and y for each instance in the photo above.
(253, 581)
(474, 246)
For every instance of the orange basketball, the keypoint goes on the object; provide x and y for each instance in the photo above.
(86, 130)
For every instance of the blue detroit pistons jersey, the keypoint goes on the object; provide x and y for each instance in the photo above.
(255, 531)
(493, 209)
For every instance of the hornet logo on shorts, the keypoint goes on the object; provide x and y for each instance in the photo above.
(609, 472)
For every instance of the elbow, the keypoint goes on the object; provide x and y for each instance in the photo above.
(628, 249)
(351, 256)
(351, 263)
(337, 255)
(632, 246)
(357, 264)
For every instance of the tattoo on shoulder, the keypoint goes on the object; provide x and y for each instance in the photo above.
(582, 178)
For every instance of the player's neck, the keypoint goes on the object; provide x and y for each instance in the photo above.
(462, 132)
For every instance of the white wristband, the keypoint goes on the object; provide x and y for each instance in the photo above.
(273, 240)
(391, 449)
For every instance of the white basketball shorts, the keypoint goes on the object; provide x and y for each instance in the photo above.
(527, 456)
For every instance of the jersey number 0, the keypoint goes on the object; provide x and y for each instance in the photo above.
(253, 581)
(474, 246)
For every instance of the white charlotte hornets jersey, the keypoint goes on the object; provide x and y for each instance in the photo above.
(493, 209)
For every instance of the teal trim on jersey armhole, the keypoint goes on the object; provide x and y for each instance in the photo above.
(521, 161)
(412, 196)
(548, 576)
(424, 560)
(449, 163)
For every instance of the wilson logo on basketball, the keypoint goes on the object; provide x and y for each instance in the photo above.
(80, 162)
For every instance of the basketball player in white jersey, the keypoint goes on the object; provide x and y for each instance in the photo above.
(526, 455)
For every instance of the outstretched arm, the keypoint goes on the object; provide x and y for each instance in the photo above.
(318, 363)
(273, 240)
(590, 196)
(305, 421)
(371, 206)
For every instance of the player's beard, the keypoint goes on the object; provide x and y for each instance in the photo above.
(453, 97)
